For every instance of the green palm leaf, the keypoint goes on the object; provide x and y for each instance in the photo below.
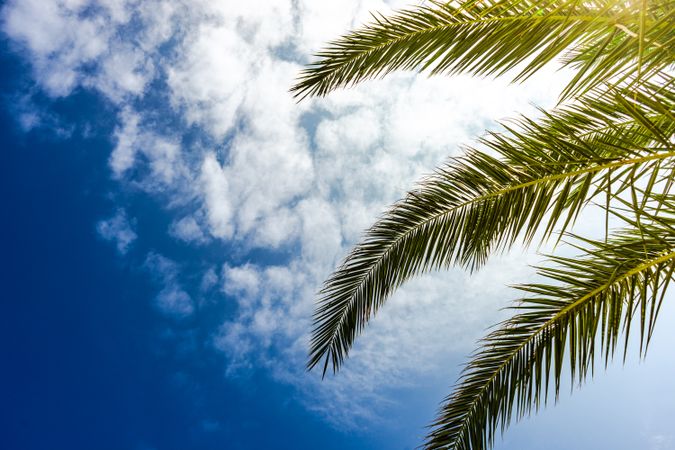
(600, 293)
(544, 173)
(603, 39)
(614, 138)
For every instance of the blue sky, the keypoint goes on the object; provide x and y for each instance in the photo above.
(171, 211)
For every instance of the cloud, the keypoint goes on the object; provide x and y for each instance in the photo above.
(209, 83)
(63, 37)
(242, 282)
(262, 174)
(127, 134)
(172, 299)
(30, 115)
(119, 230)
(187, 229)
(217, 198)
(136, 146)
(661, 442)
(59, 40)
(209, 279)
(124, 71)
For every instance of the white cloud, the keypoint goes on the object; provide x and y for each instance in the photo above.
(59, 39)
(242, 282)
(161, 21)
(124, 153)
(209, 279)
(172, 299)
(187, 229)
(270, 162)
(160, 154)
(662, 442)
(175, 302)
(119, 230)
(124, 71)
(217, 198)
(76, 43)
(30, 115)
(304, 180)
(209, 81)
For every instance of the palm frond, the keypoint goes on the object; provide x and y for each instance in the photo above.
(598, 295)
(544, 173)
(600, 38)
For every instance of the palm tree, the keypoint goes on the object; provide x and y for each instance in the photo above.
(610, 141)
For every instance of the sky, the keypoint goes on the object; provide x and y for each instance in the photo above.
(171, 211)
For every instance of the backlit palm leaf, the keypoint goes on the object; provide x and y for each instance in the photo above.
(601, 38)
(544, 173)
(597, 294)
(613, 140)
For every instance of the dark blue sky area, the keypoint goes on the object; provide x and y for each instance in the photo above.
(87, 363)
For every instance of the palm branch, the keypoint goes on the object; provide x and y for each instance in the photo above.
(544, 173)
(601, 39)
(614, 131)
(598, 294)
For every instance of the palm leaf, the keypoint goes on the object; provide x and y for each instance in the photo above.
(601, 39)
(544, 173)
(596, 295)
